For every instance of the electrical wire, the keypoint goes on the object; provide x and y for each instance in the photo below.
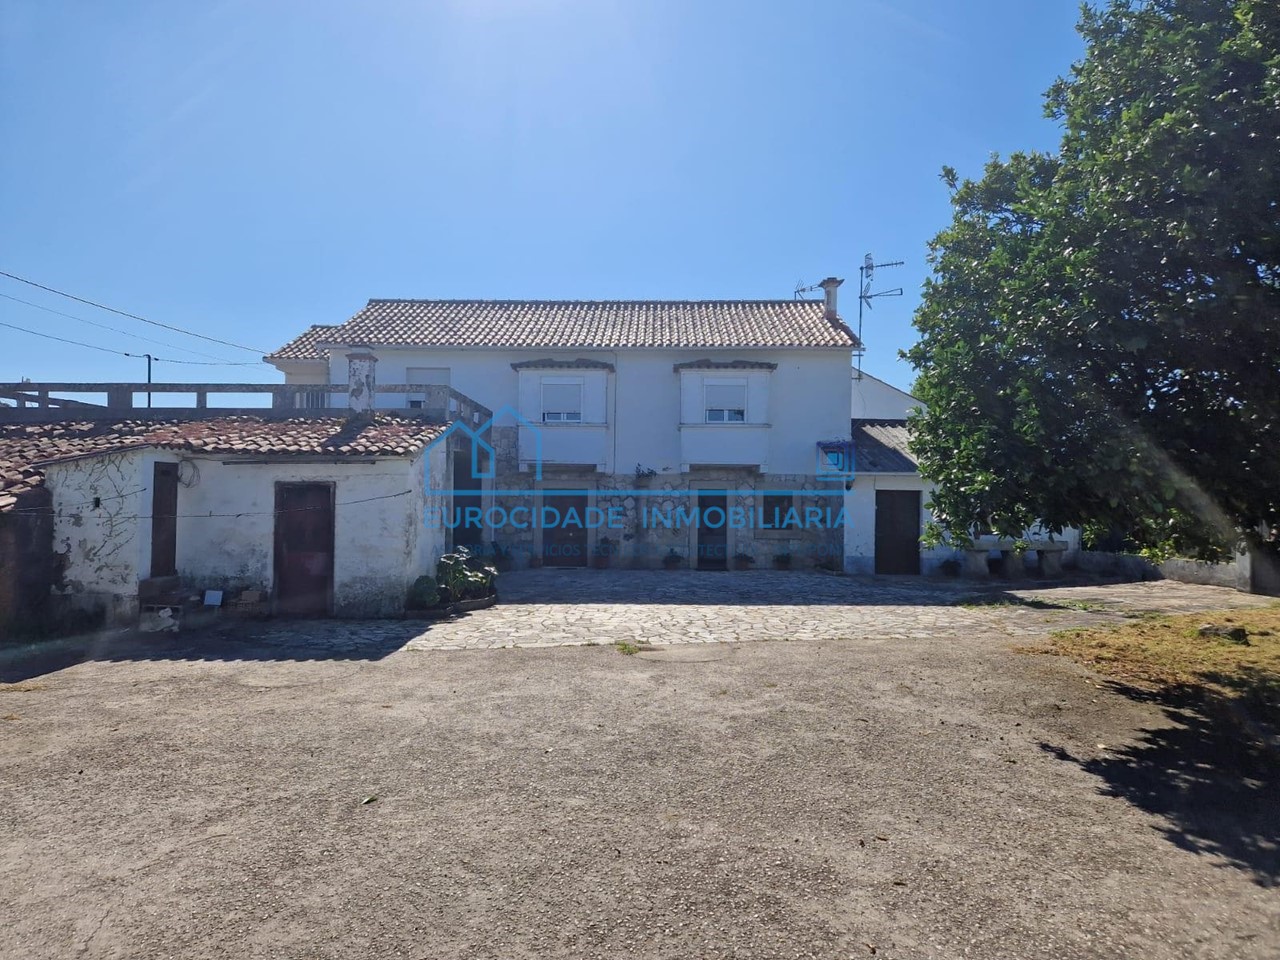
(125, 353)
(104, 326)
(131, 316)
(202, 516)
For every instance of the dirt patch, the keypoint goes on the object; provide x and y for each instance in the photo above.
(932, 796)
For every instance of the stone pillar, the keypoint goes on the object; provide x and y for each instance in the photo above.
(362, 380)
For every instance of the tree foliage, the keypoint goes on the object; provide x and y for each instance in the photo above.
(1100, 339)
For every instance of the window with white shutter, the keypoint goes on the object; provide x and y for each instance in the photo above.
(725, 401)
(561, 400)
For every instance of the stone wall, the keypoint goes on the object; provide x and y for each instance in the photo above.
(646, 517)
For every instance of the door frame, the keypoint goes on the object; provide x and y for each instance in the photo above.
(276, 557)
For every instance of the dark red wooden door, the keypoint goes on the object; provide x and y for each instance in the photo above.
(713, 530)
(564, 533)
(164, 520)
(304, 549)
(898, 531)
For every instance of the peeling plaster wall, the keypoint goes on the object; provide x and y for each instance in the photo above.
(105, 549)
(226, 526)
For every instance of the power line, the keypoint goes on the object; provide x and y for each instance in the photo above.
(125, 353)
(94, 323)
(131, 316)
(201, 516)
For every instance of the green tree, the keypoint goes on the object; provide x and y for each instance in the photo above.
(1100, 339)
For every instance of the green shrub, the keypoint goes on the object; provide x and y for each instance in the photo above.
(462, 576)
(424, 593)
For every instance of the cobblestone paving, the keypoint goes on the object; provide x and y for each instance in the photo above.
(549, 608)
(544, 608)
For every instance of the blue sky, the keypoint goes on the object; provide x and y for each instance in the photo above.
(248, 168)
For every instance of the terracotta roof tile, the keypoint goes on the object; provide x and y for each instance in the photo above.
(604, 324)
(305, 346)
(26, 447)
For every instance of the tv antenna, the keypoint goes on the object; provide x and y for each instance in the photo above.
(865, 296)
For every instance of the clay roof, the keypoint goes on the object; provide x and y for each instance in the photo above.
(25, 448)
(880, 446)
(306, 346)
(605, 324)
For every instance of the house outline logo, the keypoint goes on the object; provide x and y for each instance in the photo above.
(834, 460)
(479, 444)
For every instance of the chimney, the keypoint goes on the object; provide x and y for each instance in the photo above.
(362, 381)
(829, 286)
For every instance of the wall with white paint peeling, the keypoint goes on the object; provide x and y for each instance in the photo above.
(97, 531)
(226, 524)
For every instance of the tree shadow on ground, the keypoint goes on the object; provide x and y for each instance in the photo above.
(1210, 776)
(262, 641)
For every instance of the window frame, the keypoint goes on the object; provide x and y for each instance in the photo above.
(791, 505)
(562, 416)
(725, 419)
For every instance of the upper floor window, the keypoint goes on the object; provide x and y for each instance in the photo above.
(725, 401)
(425, 376)
(561, 399)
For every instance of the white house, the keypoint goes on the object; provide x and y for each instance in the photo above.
(323, 514)
(697, 431)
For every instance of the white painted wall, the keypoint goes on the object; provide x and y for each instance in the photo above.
(225, 534)
(860, 530)
(806, 397)
(873, 399)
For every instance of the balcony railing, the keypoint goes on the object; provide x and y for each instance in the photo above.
(49, 401)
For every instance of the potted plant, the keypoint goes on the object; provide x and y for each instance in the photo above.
(782, 561)
(672, 559)
(603, 551)
(743, 561)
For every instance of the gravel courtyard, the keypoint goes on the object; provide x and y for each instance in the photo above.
(882, 775)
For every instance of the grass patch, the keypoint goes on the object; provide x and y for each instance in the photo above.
(25, 687)
(1169, 652)
(627, 649)
(1034, 603)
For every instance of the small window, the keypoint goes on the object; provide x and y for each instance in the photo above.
(424, 376)
(726, 401)
(779, 512)
(561, 400)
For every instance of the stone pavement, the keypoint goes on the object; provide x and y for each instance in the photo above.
(547, 608)
(551, 608)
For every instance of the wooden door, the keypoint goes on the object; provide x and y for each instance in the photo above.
(469, 531)
(898, 531)
(304, 549)
(713, 536)
(164, 520)
(564, 540)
